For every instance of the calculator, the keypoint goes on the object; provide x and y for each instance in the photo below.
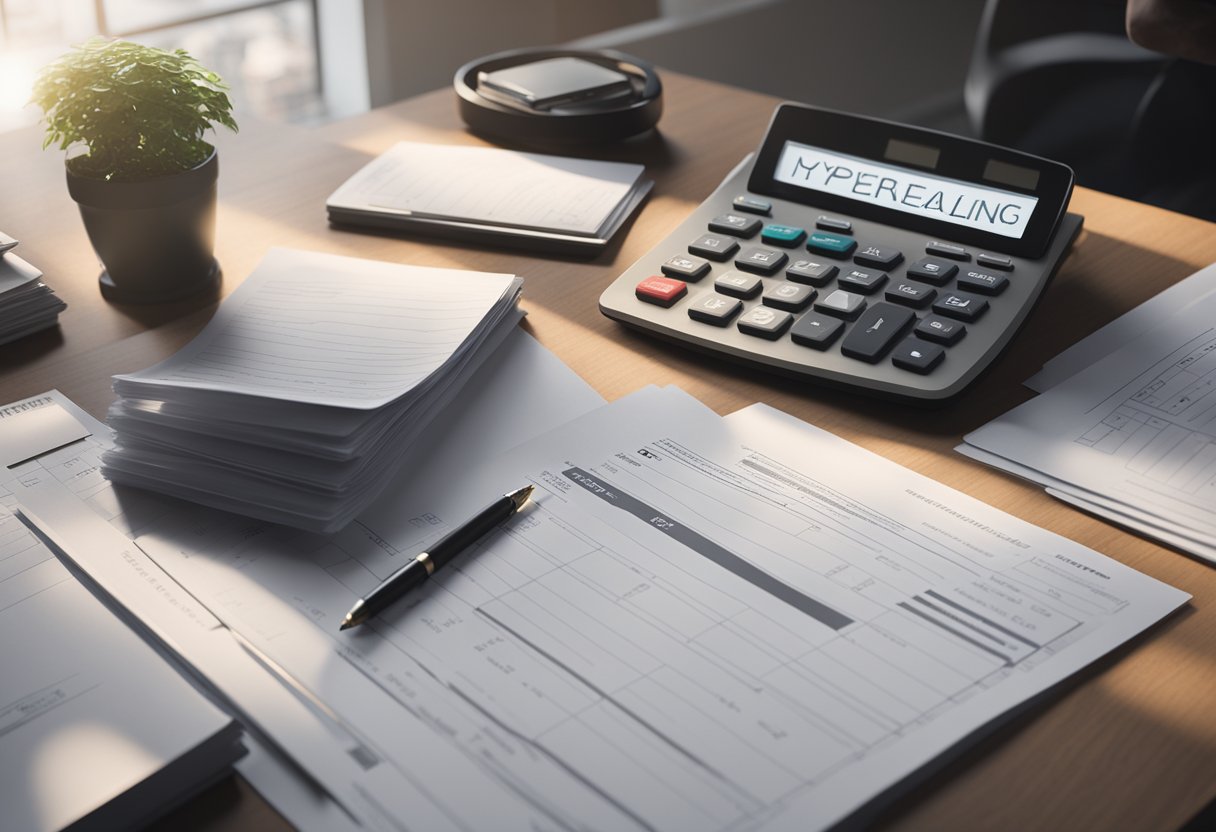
(880, 257)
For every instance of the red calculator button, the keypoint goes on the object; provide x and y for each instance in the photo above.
(663, 291)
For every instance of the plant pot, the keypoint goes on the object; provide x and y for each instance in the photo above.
(155, 236)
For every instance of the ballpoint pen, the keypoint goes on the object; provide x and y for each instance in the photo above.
(422, 566)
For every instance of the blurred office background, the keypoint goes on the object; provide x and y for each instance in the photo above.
(1054, 77)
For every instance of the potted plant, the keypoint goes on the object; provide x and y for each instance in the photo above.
(132, 119)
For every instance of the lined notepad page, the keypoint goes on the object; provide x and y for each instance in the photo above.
(331, 330)
(491, 186)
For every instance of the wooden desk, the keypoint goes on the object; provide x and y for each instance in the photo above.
(1129, 744)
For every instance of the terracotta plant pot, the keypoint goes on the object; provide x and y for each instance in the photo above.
(154, 236)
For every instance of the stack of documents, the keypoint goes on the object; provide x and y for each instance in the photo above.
(476, 193)
(299, 399)
(27, 305)
(697, 623)
(96, 730)
(1125, 427)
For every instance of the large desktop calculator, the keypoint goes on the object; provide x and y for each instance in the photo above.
(880, 257)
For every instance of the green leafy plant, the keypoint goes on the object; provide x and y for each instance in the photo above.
(132, 111)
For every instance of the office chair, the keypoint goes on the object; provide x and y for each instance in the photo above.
(1061, 79)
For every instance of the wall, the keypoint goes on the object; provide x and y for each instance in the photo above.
(413, 46)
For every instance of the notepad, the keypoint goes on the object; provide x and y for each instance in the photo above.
(476, 191)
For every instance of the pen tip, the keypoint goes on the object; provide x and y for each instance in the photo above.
(347, 623)
(520, 496)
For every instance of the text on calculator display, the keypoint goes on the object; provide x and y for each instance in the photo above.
(912, 192)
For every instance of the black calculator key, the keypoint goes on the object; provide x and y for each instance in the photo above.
(986, 283)
(961, 305)
(792, 297)
(916, 355)
(834, 224)
(880, 257)
(948, 250)
(933, 270)
(735, 225)
(739, 285)
(995, 261)
(751, 204)
(865, 281)
(842, 304)
(878, 329)
(816, 331)
(712, 308)
(661, 291)
(831, 245)
(811, 272)
(761, 260)
(916, 295)
(688, 268)
(714, 247)
(786, 236)
(764, 322)
(939, 329)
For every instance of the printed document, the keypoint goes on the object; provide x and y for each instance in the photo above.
(699, 623)
(1132, 437)
(88, 711)
(522, 390)
(1153, 313)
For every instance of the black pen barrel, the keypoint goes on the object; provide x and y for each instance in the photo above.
(407, 578)
(462, 538)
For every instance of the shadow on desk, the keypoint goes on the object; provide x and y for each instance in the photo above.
(954, 770)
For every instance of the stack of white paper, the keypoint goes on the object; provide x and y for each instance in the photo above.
(478, 192)
(299, 399)
(27, 305)
(1126, 425)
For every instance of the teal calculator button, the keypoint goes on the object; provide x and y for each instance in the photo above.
(833, 245)
(783, 235)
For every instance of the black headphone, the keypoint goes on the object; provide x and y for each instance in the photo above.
(595, 123)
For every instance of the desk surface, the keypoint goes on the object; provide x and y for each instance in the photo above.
(1129, 744)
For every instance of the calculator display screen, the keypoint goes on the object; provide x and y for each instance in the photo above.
(933, 197)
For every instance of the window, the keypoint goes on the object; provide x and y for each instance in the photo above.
(265, 51)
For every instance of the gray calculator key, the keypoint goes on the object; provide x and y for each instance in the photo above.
(948, 250)
(816, 331)
(933, 270)
(880, 257)
(712, 308)
(761, 260)
(714, 247)
(686, 267)
(764, 322)
(752, 205)
(738, 285)
(736, 225)
(939, 329)
(917, 355)
(842, 304)
(866, 281)
(812, 272)
(792, 297)
(834, 224)
(877, 330)
(916, 295)
(995, 261)
(986, 283)
(961, 305)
